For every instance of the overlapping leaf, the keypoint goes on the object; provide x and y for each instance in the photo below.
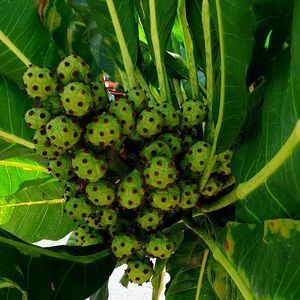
(35, 213)
(20, 24)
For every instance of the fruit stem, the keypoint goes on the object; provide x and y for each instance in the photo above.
(189, 48)
(177, 91)
(12, 139)
(201, 273)
(140, 78)
(245, 188)
(12, 47)
(219, 256)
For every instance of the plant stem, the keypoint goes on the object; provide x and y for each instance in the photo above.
(12, 139)
(220, 257)
(158, 286)
(124, 78)
(12, 47)
(189, 48)
(23, 166)
(201, 274)
(247, 187)
(59, 255)
(128, 64)
(158, 56)
(177, 91)
(143, 84)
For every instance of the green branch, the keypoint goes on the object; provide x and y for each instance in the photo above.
(13, 139)
(59, 255)
(177, 91)
(220, 257)
(201, 273)
(129, 67)
(189, 48)
(158, 56)
(247, 187)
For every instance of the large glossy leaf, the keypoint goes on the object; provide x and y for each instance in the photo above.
(279, 196)
(265, 256)
(235, 23)
(20, 28)
(16, 173)
(35, 213)
(54, 273)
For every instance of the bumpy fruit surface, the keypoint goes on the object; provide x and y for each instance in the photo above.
(197, 156)
(78, 208)
(70, 190)
(187, 142)
(87, 237)
(189, 195)
(139, 271)
(63, 132)
(122, 110)
(160, 172)
(212, 187)
(193, 113)
(169, 114)
(101, 192)
(73, 68)
(131, 191)
(103, 131)
(165, 200)
(138, 99)
(173, 141)
(125, 245)
(44, 147)
(149, 123)
(222, 165)
(77, 99)
(100, 95)
(87, 166)
(149, 218)
(39, 83)
(160, 245)
(37, 117)
(107, 217)
(61, 167)
(156, 148)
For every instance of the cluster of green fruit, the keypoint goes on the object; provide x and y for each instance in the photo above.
(129, 167)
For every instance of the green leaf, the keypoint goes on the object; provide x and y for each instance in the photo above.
(52, 273)
(256, 251)
(101, 294)
(22, 33)
(14, 135)
(279, 196)
(16, 173)
(35, 213)
(235, 23)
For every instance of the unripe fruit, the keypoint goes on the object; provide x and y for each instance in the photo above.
(189, 195)
(139, 271)
(138, 99)
(37, 117)
(78, 208)
(165, 200)
(169, 114)
(61, 167)
(156, 148)
(101, 192)
(125, 245)
(193, 113)
(212, 187)
(149, 123)
(87, 237)
(160, 245)
(100, 95)
(149, 218)
(222, 165)
(173, 142)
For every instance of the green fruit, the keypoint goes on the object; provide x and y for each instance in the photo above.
(100, 95)
(173, 142)
(122, 110)
(44, 147)
(103, 131)
(156, 148)
(78, 208)
(193, 113)
(189, 195)
(212, 187)
(222, 165)
(37, 117)
(139, 271)
(187, 142)
(125, 245)
(138, 99)
(61, 167)
(87, 237)
(149, 123)
(39, 83)
(70, 190)
(149, 218)
(197, 157)
(73, 68)
(87, 166)
(63, 132)
(131, 191)
(101, 192)
(77, 99)
(107, 217)
(165, 200)
(169, 114)
(160, 245)
(160, 172)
